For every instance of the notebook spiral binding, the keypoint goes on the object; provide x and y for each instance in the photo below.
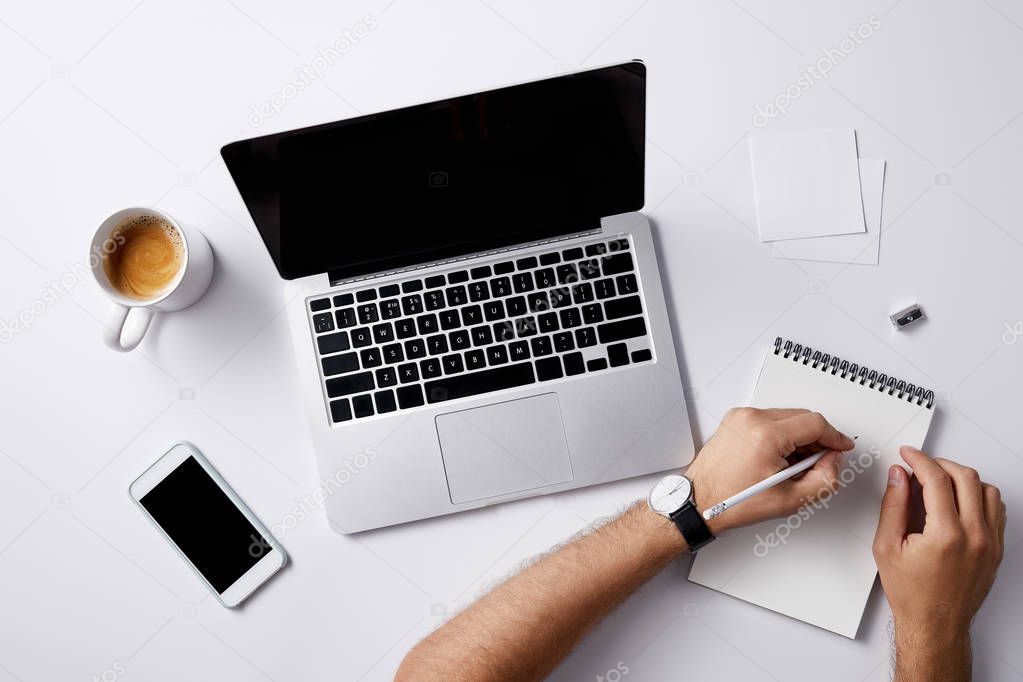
(864, 376)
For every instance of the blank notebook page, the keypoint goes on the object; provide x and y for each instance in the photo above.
(820, 569)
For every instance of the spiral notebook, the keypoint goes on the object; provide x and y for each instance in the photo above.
(817, 565)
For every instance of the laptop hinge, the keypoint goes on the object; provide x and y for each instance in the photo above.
(337, 280)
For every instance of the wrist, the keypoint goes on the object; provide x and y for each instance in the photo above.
(923, 652)
(661, 533)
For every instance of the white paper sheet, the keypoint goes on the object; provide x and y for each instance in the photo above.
(860, 249)
(820, 569)
(806, 184)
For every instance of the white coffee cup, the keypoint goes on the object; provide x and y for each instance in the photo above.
(130, 317)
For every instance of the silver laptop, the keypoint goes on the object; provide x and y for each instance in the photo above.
(474, 299)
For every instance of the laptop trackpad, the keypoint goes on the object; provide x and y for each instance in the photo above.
(505, 448)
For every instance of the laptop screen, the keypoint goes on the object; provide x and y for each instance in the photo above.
(448, 178)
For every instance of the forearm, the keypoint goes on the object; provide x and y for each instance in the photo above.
(921, 657)
(528, 624)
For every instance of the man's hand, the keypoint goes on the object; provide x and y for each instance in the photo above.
(936, 580)
(752, 444)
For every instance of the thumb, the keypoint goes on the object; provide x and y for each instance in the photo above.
(894, 520)
(822, 476)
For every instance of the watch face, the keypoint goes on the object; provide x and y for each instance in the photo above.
(670, 493)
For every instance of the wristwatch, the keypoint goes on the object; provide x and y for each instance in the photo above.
(672, 497)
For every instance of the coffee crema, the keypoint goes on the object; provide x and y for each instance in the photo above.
(149, 254)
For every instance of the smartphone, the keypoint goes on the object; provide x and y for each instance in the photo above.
(208, 524)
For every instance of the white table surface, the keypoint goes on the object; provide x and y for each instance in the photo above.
(119, 103)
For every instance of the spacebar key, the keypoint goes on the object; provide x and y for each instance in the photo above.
(621, 330)
(464, 385)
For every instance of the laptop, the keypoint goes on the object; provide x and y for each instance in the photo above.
(473, 296)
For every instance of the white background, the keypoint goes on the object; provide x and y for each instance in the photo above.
(119, 103)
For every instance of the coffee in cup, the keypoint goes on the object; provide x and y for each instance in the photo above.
(148, 254)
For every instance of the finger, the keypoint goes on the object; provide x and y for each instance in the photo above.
(939, 497)
(779, 413)
(820, 477)
(812, 427)
(969, 495)
(893, 522)
(992, 507)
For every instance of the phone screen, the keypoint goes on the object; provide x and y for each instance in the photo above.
(205, 524)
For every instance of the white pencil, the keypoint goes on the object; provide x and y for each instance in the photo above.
(769, 482)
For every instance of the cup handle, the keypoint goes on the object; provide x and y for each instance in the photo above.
(127, 327)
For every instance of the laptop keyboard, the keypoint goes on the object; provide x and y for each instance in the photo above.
(428, 340)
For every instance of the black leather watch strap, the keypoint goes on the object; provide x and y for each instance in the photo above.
(694, 528)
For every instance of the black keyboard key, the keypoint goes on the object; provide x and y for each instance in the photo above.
(623, 307)
(350, 383)
(504, 331)
(408, 373)
(618, 263)
(362, 406)
(415, 348)
(389, 290)
(584, 338)
(548, 322)
(526, 263)
(459, 339)
(518, 351)
(332, 343)
(596, 365)
(410, 396)
(544, 278)
(500, 287)
(549, 258)
(412, 305)
(507, 376)
(430, 369)
(452, 364)
(574, 253)
(414, 285)
(523, 282)
(567, 274)
(472, 315)
(458, 277)
(368, 313)
(343, 299)
(619, 244)
(449, 320)
(560, 297)
(345, 318)
(456, 296)
(621, 330)
(438, 344)
(393, 353)
(481, 336)
(390, 309)
(538, 302)
(319, 304)
(516, 305)
(403, 329)
(573, 364)
(493, 311)
(627, 284)
(596, 249)
(387, 376)
(475, 359)
(361, 337)
(504, 268)
(323, 322)
(479, 291)
(385, 402)
(563, 342)
(605, 288)
(570, 318)
(582, 293)
(548, 368)
(371, 358)
(525, 326)
(618, 354)
(541, 346)
(593, 313)
(383, 333)
(434, 300)
(340, 364)
(427, 324)
(435, 281)
(589, 269)
(366, 295)
(480, 272)
(497, 355)
(642, 355)
(340, 410)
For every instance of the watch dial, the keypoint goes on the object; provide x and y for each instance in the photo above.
(670, 493)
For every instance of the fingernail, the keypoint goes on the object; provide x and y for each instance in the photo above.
(849, 442)
(894, 476)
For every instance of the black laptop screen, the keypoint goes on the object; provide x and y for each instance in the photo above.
(448, 178)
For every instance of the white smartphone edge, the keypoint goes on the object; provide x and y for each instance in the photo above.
(272, 561)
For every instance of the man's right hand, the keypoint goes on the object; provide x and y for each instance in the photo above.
(936, 580)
